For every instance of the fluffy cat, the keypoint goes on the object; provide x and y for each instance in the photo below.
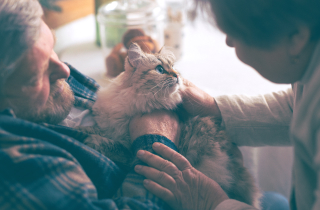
(149, 82)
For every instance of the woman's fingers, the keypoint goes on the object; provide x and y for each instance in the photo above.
(177, 159)
(158, 162)
(198, 102)
(159, 191)
(160, 177)
(158, 183)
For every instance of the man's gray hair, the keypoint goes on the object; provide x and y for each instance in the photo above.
(20, 22)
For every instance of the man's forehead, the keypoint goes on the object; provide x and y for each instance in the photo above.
(46, 35)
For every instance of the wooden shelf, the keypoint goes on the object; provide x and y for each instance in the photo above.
(71, 10)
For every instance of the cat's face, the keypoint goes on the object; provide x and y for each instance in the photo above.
(152, 74)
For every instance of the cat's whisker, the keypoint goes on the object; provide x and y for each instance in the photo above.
(162, 83)
(168, 90)
(157, 92)
(142, 94)
(166, 96)
(156, 85)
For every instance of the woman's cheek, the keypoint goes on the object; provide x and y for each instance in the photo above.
(241, 55)
(248, 57)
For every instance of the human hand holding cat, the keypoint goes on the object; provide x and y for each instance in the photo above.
(176, 182)
(198, 102)
(150, 83)
(160, 122)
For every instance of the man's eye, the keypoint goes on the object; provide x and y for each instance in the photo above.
(160, 69)
(34, 81)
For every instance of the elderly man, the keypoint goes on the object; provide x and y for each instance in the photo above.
(44, 165)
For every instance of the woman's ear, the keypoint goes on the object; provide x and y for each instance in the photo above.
(135, 54)
(298, 40)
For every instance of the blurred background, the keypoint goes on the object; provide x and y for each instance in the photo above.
(203, 58)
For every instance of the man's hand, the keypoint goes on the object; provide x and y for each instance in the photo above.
(176, 182)
(160, 122)
(197, 102)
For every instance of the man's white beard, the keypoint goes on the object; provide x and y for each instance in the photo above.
(56, 108)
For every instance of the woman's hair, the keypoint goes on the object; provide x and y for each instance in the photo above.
(20, 22)
(261, 23)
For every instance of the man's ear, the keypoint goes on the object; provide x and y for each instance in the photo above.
(298, 40)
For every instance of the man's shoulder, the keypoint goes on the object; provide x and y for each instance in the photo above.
(44, 139)
(9, 121)
(7, 113)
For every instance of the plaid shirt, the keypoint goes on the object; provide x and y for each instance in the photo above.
(47, 166)
(83, 87)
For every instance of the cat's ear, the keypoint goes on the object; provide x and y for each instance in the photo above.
(135, 54)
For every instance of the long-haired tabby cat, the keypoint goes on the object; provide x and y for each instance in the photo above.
(149, 82)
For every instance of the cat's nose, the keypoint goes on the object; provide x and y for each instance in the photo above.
(178, 80)
(174, 73)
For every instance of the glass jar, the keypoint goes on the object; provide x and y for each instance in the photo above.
(125, 21)
(174, 33)
(97, 4)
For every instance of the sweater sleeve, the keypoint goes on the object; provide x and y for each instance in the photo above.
(132, 186)
(258, 121)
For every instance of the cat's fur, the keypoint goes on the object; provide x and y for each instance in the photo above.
(142, 89)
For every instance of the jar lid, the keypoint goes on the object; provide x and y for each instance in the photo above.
(131, 12)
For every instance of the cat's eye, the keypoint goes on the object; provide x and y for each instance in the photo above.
(160, 69)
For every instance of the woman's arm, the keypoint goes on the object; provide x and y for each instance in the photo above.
(249, 121)
(258, 120)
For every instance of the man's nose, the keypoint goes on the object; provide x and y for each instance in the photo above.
(58, 69)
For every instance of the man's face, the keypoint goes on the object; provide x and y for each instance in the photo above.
(37, 90)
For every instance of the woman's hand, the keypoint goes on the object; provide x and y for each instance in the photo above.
(176, 182)
(198, 102)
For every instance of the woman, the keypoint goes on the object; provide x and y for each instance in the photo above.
(280, 40)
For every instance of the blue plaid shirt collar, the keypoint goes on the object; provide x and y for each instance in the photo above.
(83, 87)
